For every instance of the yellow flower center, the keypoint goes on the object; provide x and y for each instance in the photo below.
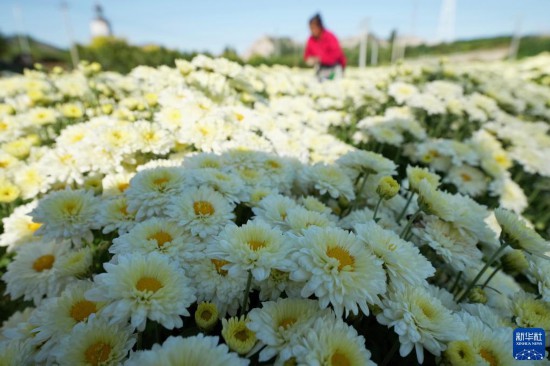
(97, 353)
(287, 322)
(339, 359)
(239, 117)
(44, 262)
(160, 181)
(427, 309)
(256, 244)
(70, 208)
(148, 284)
(123, 210)
(123, 186)
(291, 362)
(243, 334)
(203, 208)
(489, 356)
(161, 237)
(206, 315)
(219, 263)
(82, 310)
(33, 226)
(273, 164)
(3, 126)
(343, 257)
(466, 177)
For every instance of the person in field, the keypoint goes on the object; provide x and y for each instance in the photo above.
(323, 51)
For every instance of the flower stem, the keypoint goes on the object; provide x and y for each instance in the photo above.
(376, 209)
(407, 228)
(499, 267)
(390, 354)
(455, 284)
(246, 293)
(489, 262)
(411, 195)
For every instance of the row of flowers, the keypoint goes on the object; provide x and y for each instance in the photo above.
(218, 214)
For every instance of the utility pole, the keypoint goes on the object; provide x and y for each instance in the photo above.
(363, 43)
(516, 38)
(394, 47)
(374, 52)
(69, 29)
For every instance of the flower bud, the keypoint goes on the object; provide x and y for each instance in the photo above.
(206, 316)
(387, 187)
(514, 262)
(477, 295)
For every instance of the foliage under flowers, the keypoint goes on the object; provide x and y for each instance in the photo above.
(223, 215)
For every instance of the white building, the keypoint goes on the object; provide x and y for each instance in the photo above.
(99, 26)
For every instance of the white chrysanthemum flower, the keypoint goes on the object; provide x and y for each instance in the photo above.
(76, 263)
(114, 215)
(278, 282)
(511, 195)
(34, 273)
(57, 316)
(467, 180)
(516, 233)
(274, 208)
(152, 189)
(197, 350)
(141, 287)
(96, 343)
(330, 179)
(116, 184)
(402, 92)
(31, 180)
(201, 211)
(299, 220)
(402, 261)
(17, 326)
(67, 215)
(539, 272)
(434, 202)
(312, 203)
(279, 325)
(229, 185)
(214, 285)
(420, 320)
(203, 161)
(157, 235)
(384, 218)
(457, 248)
(338, 270)
(16, 353)
(151, 137)
(416, 175)
(491, 345)
(368, 162)
(330, 341)
(255, 247)
(530, 312)
(19, 227)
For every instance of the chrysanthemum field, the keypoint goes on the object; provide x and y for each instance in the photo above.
(218, 214)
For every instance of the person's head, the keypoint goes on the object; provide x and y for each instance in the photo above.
(316, 25)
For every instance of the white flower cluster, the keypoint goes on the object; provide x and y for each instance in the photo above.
(217, 214)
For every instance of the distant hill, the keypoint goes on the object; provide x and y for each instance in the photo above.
(40, 51)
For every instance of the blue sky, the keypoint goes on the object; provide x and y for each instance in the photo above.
(211, 25)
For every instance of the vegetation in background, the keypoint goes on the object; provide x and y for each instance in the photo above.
(116, 54)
